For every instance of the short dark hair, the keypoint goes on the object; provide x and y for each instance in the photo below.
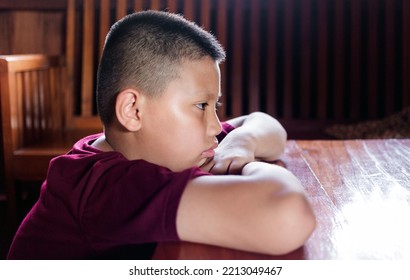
(144, 50)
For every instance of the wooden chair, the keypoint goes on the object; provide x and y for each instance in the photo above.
(35, 119)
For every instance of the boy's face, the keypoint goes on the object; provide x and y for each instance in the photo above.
(179, 128)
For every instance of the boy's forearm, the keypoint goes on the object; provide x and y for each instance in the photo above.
(272, 175)
(282, 204)
(265, 210)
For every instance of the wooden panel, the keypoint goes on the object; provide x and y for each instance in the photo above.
(121, 9)
(306, 63)
(389, 57)
(189, 9)
(236, 60)
(138, 5)
(271, 65)
(87, 69)
(70, 60)
(406, 54)
(355, 63)
(156, 5)
(288, 58)
(31, 32)
(172, 6)
(33, 5)
(105, 23)
(5, 32)
(339, 76)
(322, 60)
(372, 58)
(253, 91)
(205, 16)
(222, 35)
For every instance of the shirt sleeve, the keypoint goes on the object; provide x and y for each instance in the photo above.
(135, 204)
(226, 128)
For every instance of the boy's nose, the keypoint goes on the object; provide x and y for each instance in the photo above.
(214, 125)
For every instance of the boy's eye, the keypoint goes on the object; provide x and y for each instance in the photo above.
(202, 106)
(218, 105)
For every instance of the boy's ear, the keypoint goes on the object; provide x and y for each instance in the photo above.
(127, 109)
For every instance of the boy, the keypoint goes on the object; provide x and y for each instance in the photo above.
(165, 168)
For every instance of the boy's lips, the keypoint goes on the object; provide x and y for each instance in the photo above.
(210, 152)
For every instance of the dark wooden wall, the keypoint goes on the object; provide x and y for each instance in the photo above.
(307, 62)
(32, 27)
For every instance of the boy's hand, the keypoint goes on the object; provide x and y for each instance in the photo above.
(230, 157)
(257, 136)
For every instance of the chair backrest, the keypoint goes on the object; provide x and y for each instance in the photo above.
(33, 102)
(32, 99)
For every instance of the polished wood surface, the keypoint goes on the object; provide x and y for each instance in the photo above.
(360, 192)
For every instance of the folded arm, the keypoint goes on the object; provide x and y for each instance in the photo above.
(262, 210)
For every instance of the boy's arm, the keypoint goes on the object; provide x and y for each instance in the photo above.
(257, 136)
(263, 210)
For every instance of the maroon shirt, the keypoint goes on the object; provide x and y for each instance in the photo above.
(96, 204)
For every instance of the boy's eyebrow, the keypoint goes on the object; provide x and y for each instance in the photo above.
(209, 95)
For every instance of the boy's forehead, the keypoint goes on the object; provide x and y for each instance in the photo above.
(200, 78)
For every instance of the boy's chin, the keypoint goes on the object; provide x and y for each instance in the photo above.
(203, 162)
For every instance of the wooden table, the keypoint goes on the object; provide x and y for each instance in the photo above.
(360, 192)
